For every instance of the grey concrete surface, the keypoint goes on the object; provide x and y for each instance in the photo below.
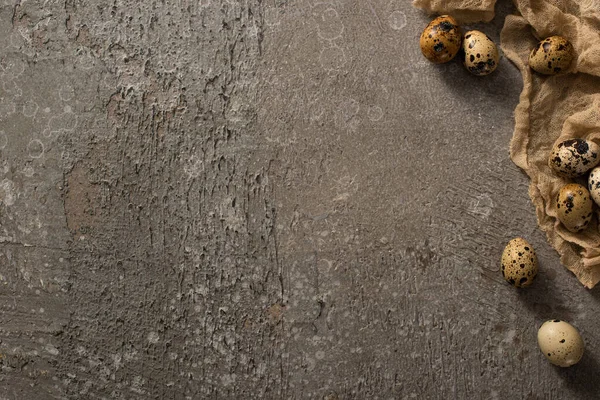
(205, 199)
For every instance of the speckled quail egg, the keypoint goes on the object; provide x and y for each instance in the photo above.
(481, 53)
(574, 207)
(441, 39)
(519, 263)
(560, 342)
(574, 157)
(594, 185)
(552, 55)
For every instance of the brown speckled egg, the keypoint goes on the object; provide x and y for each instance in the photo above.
(552, 56)
(519, 263)
(441, 39)
(594, 185)
(574, 207)
(560, 342)
(574, 157)
(481, 53)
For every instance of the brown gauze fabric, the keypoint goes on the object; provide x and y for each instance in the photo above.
(551, 108)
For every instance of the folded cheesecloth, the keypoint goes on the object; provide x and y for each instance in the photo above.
(551, 108)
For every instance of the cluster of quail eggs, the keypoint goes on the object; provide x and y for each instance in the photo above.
(440, 42)
(573, 159)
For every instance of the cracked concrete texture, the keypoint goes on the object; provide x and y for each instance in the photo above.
(263, 199)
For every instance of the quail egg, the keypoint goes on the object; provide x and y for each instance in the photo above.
(441, 39)
(574, 207)
(574, 157)
(560, 342)
(481, 53)
(552, 55)
(594, 185)
(519, 263)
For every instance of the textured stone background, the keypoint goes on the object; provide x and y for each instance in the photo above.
(263, 199)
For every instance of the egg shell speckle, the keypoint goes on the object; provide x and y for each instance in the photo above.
(552, 56)
(441, 39)
(574, 207)
(481, 53)
(519, 264)
(561, 343)
(574, 157)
